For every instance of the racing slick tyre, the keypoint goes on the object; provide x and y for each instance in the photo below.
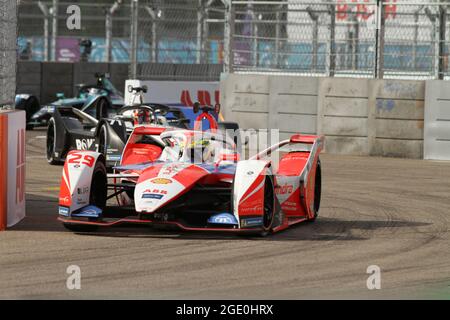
(317, 191)
(98, 192)
(269, 206)
(103, 141)
(97, 197)
(50, 144)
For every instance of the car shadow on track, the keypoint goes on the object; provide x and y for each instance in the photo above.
(324, 229)
(42, 217)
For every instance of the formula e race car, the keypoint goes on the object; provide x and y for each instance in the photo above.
(37, 116)
(193, 180)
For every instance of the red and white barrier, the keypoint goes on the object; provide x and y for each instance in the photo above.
(12, 167)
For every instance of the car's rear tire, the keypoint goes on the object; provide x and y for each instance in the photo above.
(317, 191)
(103, 141)
(50, 143)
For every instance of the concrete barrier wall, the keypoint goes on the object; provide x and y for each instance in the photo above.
(437, 120)
(399, 118)
(343, 112)
(45, 79)
(357, 116)
(29, 78)
(292, 101)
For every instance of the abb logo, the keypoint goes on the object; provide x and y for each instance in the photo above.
(20, 167)
(363, 9)
(155, 191)
(203, 96)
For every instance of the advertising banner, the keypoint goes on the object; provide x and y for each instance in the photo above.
(67, 49)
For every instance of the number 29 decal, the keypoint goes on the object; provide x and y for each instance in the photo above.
(79, 158)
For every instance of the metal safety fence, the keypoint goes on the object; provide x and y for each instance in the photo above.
(362, 38)
(151, 35)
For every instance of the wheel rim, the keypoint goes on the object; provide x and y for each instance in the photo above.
(268, 203)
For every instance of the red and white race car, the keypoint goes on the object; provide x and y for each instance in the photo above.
(193, 180)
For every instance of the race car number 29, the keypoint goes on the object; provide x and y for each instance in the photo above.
(78, 158)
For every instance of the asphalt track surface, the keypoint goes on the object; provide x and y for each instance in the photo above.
(394, 213)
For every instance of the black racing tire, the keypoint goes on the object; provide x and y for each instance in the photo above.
(98, 192)
(317, 191)
(103, 141)
(50, 143)
(269, 206)
(97, 197)
(80, 227)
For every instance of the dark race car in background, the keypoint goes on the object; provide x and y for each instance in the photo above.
(38, 116)
(102, 127)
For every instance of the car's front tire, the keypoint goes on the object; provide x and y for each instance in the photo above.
(98, 192)
(103, 141)
(97, 197)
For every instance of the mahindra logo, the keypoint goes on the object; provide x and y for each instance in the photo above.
(20, 168)
(64, 200)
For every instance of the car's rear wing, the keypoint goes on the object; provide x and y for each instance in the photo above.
(316, 143)
(305, 139)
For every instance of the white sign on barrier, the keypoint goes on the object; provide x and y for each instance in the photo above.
(176, 93)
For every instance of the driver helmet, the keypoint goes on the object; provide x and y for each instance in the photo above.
(141, 117)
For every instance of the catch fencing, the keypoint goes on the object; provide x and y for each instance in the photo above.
(362, 38)
(404, 39)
